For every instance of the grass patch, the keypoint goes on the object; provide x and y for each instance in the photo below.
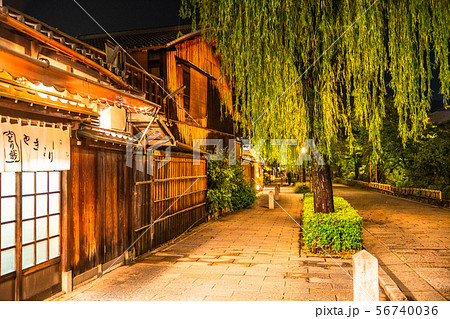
(337, 233)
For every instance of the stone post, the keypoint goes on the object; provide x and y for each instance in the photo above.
(66, 281)
(271, 201)
(277, 192)
(365, 277)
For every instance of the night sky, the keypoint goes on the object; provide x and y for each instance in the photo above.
(113, 15)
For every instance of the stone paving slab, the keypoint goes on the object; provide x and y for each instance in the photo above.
(252, 254)
(410, 239)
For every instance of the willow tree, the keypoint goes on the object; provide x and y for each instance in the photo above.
(309, 69)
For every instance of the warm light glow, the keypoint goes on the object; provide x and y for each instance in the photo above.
(303, 150)
(42, 95)
(105, 118)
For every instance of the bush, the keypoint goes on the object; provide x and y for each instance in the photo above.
(301, 188)
(335, 232)
(266, 179)
(227, 188)
(446, 192)
(243, 195)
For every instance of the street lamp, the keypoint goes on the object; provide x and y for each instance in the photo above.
(303, 165)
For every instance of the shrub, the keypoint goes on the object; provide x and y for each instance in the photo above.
(243, 195)
(266, 179)
(301, 188)
(335, 232)
(446, 192)
(227, 188)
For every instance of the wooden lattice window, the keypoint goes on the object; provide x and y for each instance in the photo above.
(41, 212)
(7, 223)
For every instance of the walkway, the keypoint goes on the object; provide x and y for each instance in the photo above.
(251, 254)
(410, 239)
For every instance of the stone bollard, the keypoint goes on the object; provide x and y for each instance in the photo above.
(66, 281)
(277, 192)
(271, 201)
(365, 277)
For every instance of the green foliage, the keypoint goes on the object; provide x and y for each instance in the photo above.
(422, 163)
(243, 195)
(429, 165)
(227, 188)
(266, 177)
(338, 231)
(301, 188)
(272, 51)
(446, 192)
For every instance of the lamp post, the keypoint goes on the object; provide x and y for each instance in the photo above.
(303, 165)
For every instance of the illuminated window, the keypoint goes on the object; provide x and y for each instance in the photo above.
(7, 223)
(41, 211)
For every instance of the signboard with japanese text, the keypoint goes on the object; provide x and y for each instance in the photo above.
(41, 147)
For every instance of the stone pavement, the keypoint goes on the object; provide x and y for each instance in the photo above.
(410, 239)
(252, 254)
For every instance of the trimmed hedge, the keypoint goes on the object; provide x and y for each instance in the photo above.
(335, 232)
(301, 188)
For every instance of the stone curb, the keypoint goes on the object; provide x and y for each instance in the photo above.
(390, 287)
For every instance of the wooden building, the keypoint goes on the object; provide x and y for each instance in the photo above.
(182, 58)
(77, 188)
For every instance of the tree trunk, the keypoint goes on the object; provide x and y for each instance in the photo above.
(304, 173)
(356, 170)
(322, 187)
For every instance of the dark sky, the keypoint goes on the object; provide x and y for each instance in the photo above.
(113, 15)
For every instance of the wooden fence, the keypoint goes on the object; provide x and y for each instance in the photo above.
(405, 191)
(170, 201)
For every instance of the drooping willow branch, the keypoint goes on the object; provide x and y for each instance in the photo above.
(392, 50)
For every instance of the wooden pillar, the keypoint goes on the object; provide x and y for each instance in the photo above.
(66, 272)
(18, 239)
(152, 201)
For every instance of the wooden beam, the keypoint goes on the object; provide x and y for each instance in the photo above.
(158, 220)
(20, 109)
(176, 178)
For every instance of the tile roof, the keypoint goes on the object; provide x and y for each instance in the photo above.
(139, 38)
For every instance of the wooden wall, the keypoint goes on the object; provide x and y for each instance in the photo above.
(110, 205)
(249, 173)
(205, 93)
(97, 207)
